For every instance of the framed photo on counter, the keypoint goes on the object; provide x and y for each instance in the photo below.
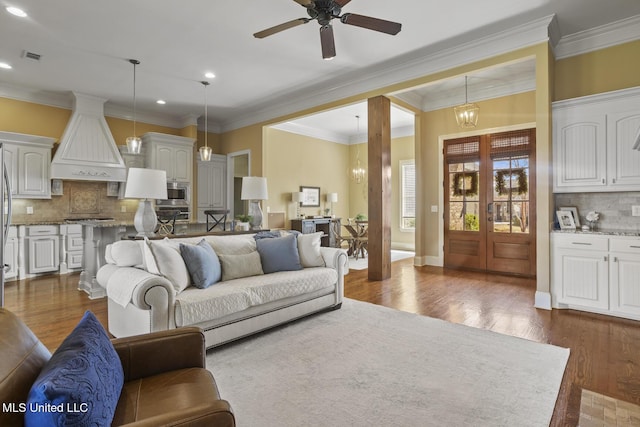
(565, 219)
(574, 212)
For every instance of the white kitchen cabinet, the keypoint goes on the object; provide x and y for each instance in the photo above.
(28, 159)
(596, 273)
(625, 276)
(72, 245)
(171, 153)
(580, 270)
(212, 185)
(593, 138)
(43, 248)
(11, 253)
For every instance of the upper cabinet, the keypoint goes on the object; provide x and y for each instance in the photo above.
(593, 141)
(171, 153)
(28, 159)
(212, 185)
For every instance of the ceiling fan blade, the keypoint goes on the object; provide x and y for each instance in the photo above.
(276, 29)
(327, 41)
(370, 23)
(341, 3)
(309, 4)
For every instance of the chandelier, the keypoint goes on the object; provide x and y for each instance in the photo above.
(358, 173)
(466, 114)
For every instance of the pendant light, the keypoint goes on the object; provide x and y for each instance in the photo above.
(466, 114)
(134, 144)
(205, 151)
(358, 172)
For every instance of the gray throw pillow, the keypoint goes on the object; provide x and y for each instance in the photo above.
(279, 254)
(203, 264)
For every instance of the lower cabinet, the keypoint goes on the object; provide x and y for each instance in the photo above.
(43, 246)
(11, 249)
(596, 273)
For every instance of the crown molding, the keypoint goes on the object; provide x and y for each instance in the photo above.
(419, 63)
(312, 132)
(597, 38)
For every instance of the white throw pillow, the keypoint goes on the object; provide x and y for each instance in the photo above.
(309, 250)
(124, 253)
(169, 263)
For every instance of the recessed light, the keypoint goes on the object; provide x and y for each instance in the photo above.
(161, 101)
(5, 66)
(209, 75)
(16, 11)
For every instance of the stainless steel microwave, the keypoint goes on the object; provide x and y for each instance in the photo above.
(178, 194)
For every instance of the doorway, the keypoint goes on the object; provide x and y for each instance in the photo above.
(490, 183)
(238, 166)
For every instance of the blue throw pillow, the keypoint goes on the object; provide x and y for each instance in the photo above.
(203, 264)
(80, 385)
(279, 254)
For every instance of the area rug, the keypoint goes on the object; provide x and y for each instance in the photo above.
(598, 410)
(363, 263)
(368, 365)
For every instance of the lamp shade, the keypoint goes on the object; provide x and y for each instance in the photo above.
(146, 184)
(254, 188)
(332, 197)
(297, 197)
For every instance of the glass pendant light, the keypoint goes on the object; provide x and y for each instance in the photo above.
(466, 114)
(134, 144)
(205, 151)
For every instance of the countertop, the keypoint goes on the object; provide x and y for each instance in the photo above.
(599, 232)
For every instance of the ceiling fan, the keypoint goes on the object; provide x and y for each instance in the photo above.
(324, 11)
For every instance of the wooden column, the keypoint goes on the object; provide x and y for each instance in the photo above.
(379, 152)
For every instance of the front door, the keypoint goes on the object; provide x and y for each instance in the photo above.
(490, 200)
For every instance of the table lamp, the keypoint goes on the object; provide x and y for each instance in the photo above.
(254, 189)
(146, 184)
(332, 198)
(297, 197)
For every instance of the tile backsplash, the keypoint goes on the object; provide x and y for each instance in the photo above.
(80, 199)
(614, 208)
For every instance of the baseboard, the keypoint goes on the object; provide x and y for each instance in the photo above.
(543, 300)
(403, 246)
(434, 261)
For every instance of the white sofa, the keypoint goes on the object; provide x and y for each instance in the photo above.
(146, 289)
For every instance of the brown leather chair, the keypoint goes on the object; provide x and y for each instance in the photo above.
(165, 379)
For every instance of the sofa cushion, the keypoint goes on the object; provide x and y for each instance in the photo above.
(279, 254)
(242, 265)
(225, 298)
(168, 262)
(309, 249)
(83, 378)
(202, 262)
(124, 253)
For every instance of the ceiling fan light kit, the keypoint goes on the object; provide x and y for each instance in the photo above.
(324, 11)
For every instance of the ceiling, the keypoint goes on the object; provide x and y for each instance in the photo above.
(85, 47)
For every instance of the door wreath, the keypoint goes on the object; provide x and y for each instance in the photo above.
(465, 184)
(521, 175)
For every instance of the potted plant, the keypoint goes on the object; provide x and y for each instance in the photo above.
(361, 217)
(242, 222)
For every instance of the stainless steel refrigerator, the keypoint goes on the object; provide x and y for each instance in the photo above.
(5, 218)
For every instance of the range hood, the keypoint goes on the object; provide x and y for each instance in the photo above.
(87, 150)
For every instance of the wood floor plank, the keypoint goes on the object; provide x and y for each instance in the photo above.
(605, 351)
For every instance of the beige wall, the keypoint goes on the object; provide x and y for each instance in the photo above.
(604, 70)
(247, 138)
(292, 160)
(401, 149)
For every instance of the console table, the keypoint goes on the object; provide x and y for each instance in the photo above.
(330, 226)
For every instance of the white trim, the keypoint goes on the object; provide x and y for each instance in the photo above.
(402, 246)
(312, 132)
(419, 63)
(542, 300)
(597, 38)
(428, 260)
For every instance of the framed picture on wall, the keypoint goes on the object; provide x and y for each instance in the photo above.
(310, 197)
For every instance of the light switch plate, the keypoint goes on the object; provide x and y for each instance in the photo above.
(434, 208)
(635, 210)
(29, 210)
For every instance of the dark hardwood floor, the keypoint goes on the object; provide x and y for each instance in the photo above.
(605, 351)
